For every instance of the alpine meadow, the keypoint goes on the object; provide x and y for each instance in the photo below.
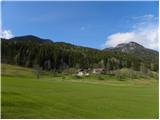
(79, 60)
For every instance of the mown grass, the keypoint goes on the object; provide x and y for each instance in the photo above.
(24, 96)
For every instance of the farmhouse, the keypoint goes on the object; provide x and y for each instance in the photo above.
(83, 72)
(98, 70)
(87, 72)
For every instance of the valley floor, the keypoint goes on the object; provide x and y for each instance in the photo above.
(24, 96)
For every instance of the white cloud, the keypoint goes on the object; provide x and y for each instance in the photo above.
(6, 34)
(144, 33)
(144, 17)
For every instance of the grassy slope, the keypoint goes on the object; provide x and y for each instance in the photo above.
(23, 96)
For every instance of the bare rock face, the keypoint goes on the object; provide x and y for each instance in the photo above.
(120, 45)
(135, 45)
(135, 49)
(127, 47)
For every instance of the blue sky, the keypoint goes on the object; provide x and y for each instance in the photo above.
(91, 24)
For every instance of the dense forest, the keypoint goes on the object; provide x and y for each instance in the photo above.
(30, 51)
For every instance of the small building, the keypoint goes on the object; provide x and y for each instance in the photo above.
(98, 70)
(83, 72)
(80, 73)
(87, 74)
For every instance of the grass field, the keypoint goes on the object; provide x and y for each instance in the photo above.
(24, 96)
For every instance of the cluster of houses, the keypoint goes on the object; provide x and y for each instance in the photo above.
(87, 72)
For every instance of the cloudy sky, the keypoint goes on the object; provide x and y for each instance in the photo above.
(92, 24)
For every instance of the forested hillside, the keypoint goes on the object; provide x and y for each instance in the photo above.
(31, 51)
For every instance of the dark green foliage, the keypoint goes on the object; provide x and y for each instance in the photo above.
(58, 56)
(99, 77)
(78, 77)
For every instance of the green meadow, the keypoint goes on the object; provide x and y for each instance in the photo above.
(66, 96)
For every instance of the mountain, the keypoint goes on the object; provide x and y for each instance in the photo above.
(30, 50)
(31, 39)
(137, 50)
(28, 38)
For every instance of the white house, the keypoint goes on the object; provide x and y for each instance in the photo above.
(80, 73)
(83, 72)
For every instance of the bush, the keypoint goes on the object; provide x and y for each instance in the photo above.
(120, 75)
(139, 74)
(63, 77)
(69, 71)
(55, 74)
(154, 75)
(99, 77)
(78, 77)
(129, 73)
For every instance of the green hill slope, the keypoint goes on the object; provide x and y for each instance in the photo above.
(24, 96)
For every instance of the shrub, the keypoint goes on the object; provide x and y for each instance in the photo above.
(78, 77)
(55, 74)
(131, 74)
(63, 77)
(99, 77)
(154, 75)
(120, 75)
(69, 71)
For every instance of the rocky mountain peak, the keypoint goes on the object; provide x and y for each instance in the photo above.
(126, 47)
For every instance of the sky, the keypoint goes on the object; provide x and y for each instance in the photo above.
(91, 24)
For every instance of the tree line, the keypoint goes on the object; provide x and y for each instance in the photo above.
(60, 56)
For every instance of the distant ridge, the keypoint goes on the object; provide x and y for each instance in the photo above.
(29, 38)
(135, 49)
